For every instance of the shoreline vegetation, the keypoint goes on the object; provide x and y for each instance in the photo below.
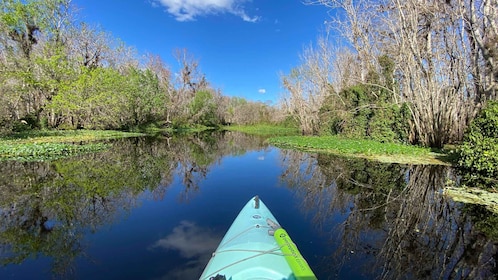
(290, 138)
(53, 144)
(373, 150)
(470, 195)
(362, 148)
(46, 143)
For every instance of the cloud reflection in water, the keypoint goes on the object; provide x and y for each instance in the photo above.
(192, 242)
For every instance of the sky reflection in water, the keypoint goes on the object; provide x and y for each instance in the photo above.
(157, 209)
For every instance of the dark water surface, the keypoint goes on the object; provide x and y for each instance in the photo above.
(157, 208)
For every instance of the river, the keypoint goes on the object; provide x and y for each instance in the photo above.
(156, 208)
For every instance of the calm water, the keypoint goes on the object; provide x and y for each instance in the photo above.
(157, 208)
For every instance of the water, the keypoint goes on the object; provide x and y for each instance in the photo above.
(157, 208)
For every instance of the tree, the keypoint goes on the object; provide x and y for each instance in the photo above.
(308, 85)
(89, 47)
(203, 108)
(189, 81)
(30, 39)
(433, 45)
(163, 75)
(145, 101)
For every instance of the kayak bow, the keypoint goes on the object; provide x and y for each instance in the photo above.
(256, 247)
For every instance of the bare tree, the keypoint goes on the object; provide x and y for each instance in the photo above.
(480, 22)
(444, 52)
(308, 85)
(189, 80)
(88, 46)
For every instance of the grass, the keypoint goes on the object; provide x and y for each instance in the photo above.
(49, 145)
(263, 130)
(384, 152)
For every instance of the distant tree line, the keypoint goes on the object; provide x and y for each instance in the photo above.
(413, 71)
(56, 72)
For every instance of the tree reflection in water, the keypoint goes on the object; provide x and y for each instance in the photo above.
(47, 207)
(395, 222)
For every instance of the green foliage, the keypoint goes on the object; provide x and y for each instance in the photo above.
(479, 152)
(21, 126)
(60, 136)
(48, 81)
(386, 152)
(485, 220)
(203, 109)
(387, 65)
(389, 123)
(103, 98)
(144, 100)
(364, 112)
(356, 95)
(367, 110)
(289, 122)
(380, 126)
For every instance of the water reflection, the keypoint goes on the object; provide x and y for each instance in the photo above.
(394, 222)
(48, 207)
(192, 242)
(368, 220)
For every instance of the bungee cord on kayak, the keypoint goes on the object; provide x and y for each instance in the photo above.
(252, 250)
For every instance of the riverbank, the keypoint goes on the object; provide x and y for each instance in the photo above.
(33, 145)
(369, 149)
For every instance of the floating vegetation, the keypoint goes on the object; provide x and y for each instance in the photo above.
(369, 149)
(65, 136)
(46, 151)
(54, 144)
(473, 196)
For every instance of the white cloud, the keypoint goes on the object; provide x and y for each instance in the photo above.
(262, 90)
(188, 10)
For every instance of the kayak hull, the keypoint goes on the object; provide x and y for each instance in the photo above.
(249, 249)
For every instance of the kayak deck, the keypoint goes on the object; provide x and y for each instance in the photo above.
(250, 251)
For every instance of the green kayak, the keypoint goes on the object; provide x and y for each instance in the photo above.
(256, 247)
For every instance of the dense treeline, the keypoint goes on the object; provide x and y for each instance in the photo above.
(56, 72)
(415, 71)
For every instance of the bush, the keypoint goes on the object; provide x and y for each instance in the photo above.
(20, 126)
(479, 152)
(365, 112)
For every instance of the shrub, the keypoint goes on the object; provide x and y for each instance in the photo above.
(479, 152)
(365, 112)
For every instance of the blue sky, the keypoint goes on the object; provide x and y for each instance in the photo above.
(242, 45)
